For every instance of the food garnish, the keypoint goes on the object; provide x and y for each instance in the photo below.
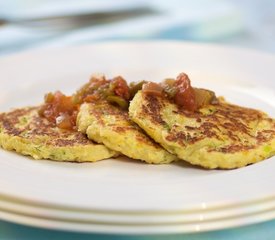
(181, 92)
(62, 110)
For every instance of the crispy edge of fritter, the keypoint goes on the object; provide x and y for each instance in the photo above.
(120, 134)
(68, 146)
(155, 127)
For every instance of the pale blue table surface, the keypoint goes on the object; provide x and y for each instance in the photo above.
(262, 231)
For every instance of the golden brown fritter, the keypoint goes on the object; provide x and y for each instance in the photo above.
(218, 135)
(24, 131)
(110, 125)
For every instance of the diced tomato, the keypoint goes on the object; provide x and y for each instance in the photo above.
(64, 121)
(185, 95)
(152, 88)
(121, 88)
(59, 109)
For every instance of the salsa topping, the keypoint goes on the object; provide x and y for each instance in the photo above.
(135, 87)
(181, 92)
(59, 109)
(114, 90)
(62, 110)
(184, 94)
(153, 88)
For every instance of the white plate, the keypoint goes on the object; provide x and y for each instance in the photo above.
(97, 227)
(123, 185)
(150, 218)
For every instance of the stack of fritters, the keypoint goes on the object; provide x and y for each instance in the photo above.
(154, 129)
